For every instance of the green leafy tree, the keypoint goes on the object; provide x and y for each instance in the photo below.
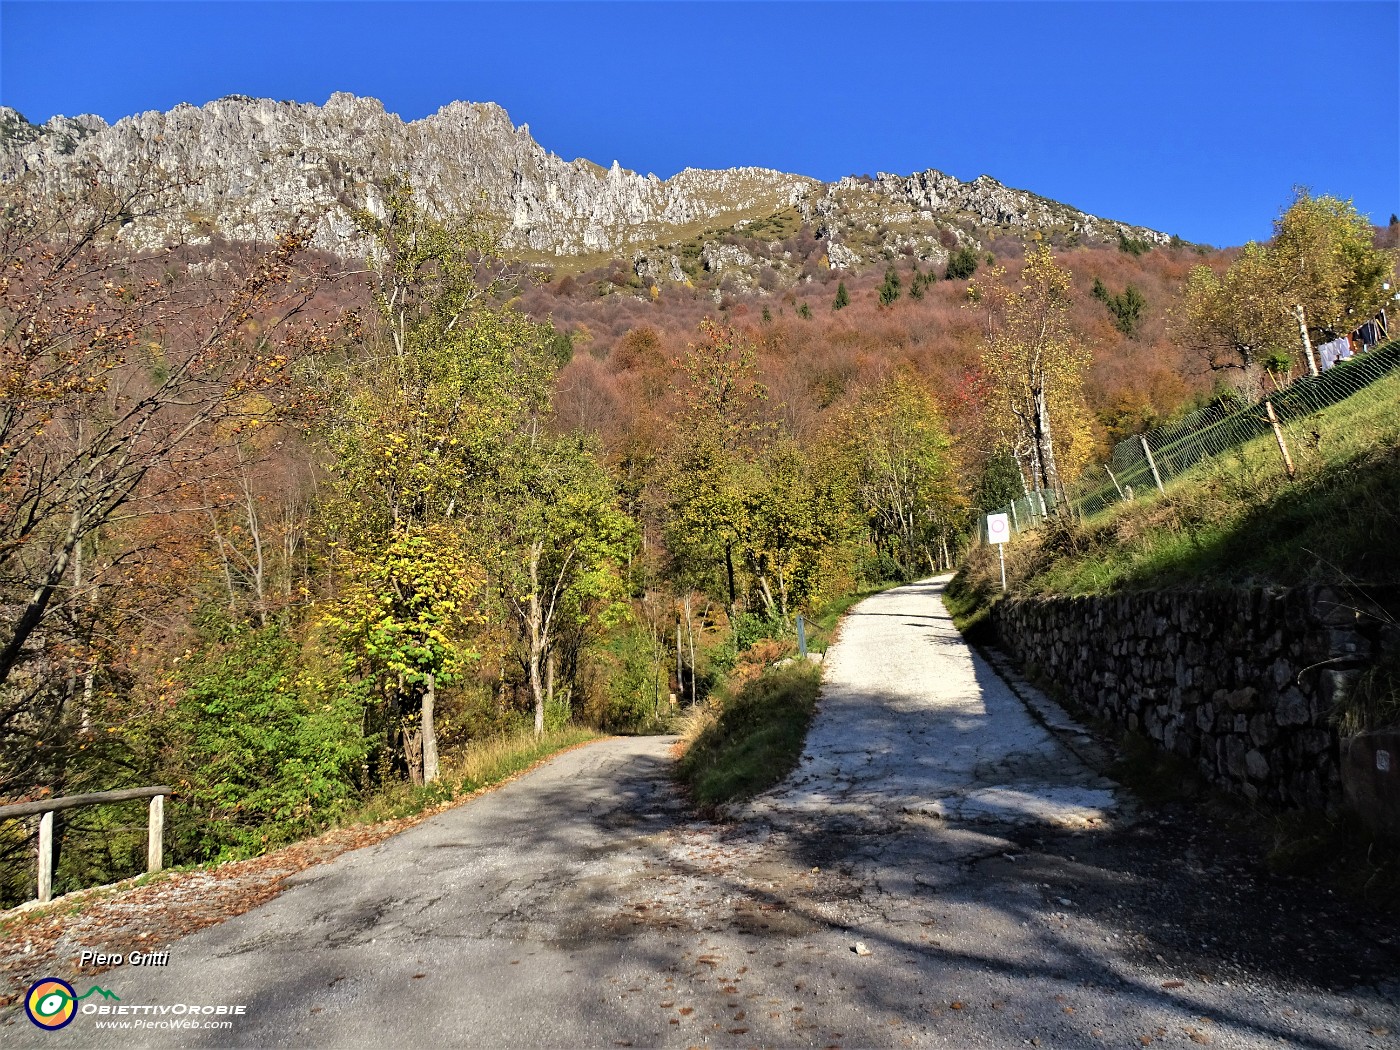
(717, 434)
(406, 613)
(1132, 245)
(1000, 481)
(896, 452)
(265, 741)
(1325, 260)
(1235, 317)
(558, 536)
(425, 423)
(799, 529)
(1322, 258)
(1126, 308)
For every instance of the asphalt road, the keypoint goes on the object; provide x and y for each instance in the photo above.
(1000, 892)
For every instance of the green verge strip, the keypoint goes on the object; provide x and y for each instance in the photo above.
(752, 739)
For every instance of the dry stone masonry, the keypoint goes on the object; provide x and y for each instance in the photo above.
(1243, 684)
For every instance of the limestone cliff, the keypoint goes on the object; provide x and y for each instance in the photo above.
(253, 163)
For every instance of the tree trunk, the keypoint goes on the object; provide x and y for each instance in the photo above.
(690, 632)
(430, 748)
(1046, 446)
(549, 680)
(535, 640)
(413, 753)
(769, 606)
(729, 566)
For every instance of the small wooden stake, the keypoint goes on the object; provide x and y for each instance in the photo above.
(1278, 433)
(155, 839)
(46, 858)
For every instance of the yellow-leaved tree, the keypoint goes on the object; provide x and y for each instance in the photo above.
(1033, 369)
(1322, 259)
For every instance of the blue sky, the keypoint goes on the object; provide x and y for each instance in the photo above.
(1194, 118)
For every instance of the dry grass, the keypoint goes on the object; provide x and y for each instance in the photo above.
(481, 764)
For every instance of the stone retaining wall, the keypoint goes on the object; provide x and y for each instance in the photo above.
(1240, 683)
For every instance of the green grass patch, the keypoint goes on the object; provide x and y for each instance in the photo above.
(748, 741)
(970, 606)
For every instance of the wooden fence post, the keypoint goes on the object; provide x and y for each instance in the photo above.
(155, 836)
(46, 857)
(45, 808)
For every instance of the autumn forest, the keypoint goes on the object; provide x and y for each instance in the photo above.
(286, 531)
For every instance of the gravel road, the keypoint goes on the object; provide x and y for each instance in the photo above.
(942, 870)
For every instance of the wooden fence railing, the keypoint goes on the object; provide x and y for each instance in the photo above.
(45, 809)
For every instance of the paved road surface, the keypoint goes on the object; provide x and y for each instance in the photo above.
(1003, 897)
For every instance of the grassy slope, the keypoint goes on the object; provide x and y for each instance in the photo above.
(1233, 521)
(750, 739)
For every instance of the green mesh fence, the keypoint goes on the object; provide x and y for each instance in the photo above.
(1178, 446)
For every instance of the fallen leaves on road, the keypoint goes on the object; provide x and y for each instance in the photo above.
(149, 916)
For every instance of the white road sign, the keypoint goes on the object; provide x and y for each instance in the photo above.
(998, 528)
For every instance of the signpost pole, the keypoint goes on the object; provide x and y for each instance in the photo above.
(1002, 559)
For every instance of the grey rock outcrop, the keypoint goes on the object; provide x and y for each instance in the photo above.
(252, 164)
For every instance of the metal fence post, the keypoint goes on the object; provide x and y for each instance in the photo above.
(1152, 463)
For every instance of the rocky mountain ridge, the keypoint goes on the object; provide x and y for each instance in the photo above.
(254, 163)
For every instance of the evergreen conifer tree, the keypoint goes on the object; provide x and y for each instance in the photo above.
(889, 291)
